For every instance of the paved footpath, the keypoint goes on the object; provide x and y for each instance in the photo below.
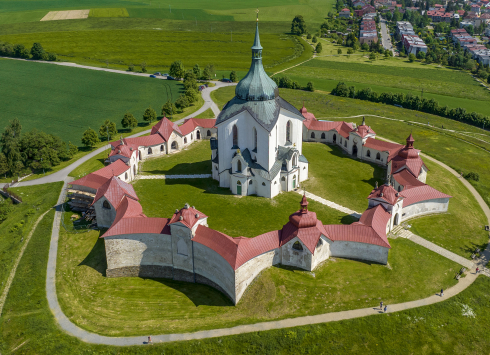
(329, 203)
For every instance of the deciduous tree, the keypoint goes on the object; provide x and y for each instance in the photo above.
(168, 109)
(149, 115)
(128, 121)
(108, 129)
(298, 26)
(177, 69)
(319, 48)
(37, 51)
(90, 138)
(233, 76)
(309, 86)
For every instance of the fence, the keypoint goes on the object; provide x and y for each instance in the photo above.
(8, 193)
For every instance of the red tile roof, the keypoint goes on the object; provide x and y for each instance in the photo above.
(124, 150)
(413, 164)
(188, 216)
(363, 130)
(165, 128)
(136, 142)
(307, 114)
(415, 194)
(358, 232)
(114, 190)
(139, 225)
(98, 178)
(391, 148)
(386, 193)
(406, 178)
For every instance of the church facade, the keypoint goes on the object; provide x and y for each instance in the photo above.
(258, 150)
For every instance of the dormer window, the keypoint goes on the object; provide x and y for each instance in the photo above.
(297, 246)
(106, 205)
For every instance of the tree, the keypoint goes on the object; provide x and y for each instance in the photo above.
(314, 39)
(411, 57)
(197, 71)
(4, 167)
(350, 51)
(90, 138)
(308, 36)
(192, 95)
(52, 57)
(131, 67)
(341, 90)
(488, 79)
(128, 121)
(108, 129)
(421, 55)
(372, 56)
(339, 51)
(319, 48)
(168, 109)
(309, 86)
(177, 69)
(143, 67)
(149, 115)
(233, 76)
(37, 51)
(72, 149)
(21, 52)
(182, 102)
(190, 81)
(298, 26)
(365, 47)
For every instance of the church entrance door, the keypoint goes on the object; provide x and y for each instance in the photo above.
(198, 135)
(238, 188)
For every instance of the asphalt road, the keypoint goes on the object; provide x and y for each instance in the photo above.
(385, 36)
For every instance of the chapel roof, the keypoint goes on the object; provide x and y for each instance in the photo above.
(387, 193)
(114, 190)
(188, 216)
(165, 128)
(98, 178)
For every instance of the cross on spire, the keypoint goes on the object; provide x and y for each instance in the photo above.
(257, 11)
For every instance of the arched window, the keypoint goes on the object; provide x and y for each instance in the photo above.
(191, 136)
(345, 144)
(263, 184)
(295, 160)
(250, 183)
(239, 166)
(161, 148)
(255, 138)
(340, 140)
(150, 151)
(378, 156)
(323, 135)
(288, 132)
(185, 140)
(368, 154)
(399, 188)
(283, 179)
(209, 133)
(235, 136)
(174, 145)
(182, 247)
(125, 176)
(198, 135)
(297, 246)
(334, 137)
(106, 205)
(312, 134)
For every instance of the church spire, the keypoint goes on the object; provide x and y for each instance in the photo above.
(257, 48)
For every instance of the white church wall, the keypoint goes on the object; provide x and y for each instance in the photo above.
(322, 252)
(215, 171)
(359, 251)
(418, 209)
(275, 187)
(152, 151)
(182, 252)
(303, 171)
(373, 153)
(179, 141)
(224, 177)
(246, 273)
(133, 250)
(297, 258)
(212, 267)
(105, 216)
(296, 129)
(423, 175)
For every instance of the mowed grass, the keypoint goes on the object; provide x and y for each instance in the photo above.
(196, 159)
(109, 12)
(336, 176)
(91, 165)
(160, 48)
(135, 306)
(36, 201)
(66, 101)
(440, 328)
(460, 230)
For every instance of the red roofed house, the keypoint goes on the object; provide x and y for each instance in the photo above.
(345, 13)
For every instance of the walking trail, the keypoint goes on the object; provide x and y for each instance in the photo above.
(86, 336)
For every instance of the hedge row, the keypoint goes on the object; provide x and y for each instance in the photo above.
(413, 102)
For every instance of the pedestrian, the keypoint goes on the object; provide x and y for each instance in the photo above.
(381, 305)
(477, 270)
(442, 292)
(386, 309)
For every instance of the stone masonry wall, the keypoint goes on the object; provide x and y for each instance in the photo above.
(359, 251)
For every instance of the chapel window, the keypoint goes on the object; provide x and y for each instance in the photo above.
(235, 136)
(288, 132)
(297, 246)
(378, 156)
(312, 134)
(323, 135)
(368, 154)
(283, 179)
(185, 140)
(161, 148)
(239, 166)
(106, 205)
(255, 138)
(149, 150)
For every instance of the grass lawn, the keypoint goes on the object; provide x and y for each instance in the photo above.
(36, 201)
(206, 114)
(138, 306)
(160, 48)
(108, 12)
(28, 324)
(462, 229)
(90, 166)
(337, 177)
(196, 159)
(67, 101)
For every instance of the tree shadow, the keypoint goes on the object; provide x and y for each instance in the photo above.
(96, 258)
(348, 219)
(471, 247)
(209, 185)
(199, 167)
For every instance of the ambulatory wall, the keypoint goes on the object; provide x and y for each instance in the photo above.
(359, 251)
(437, 205)
(212, 269)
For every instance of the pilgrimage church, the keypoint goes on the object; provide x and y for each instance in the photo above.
(256, 145)
(260, 135)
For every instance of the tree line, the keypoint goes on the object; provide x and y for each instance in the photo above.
(36, 52)
(412, 102)
(22, 153)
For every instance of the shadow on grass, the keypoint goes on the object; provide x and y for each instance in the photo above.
(200, 167)
(96, 258)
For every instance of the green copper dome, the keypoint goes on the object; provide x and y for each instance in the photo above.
(256, 85)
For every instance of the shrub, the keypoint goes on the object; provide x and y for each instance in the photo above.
(421, 55)
(314, 39)
(472, 176)
(143, 67)
(233, 76)
(339, 51)
(411, 57)
(21, 52)
(372, 56)
(309, 86)
(131, 67)
(350, 51)
(365, 47)
(308, 36)
(52, 57)
(319, 48)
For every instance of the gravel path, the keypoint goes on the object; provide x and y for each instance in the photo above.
(330, 204)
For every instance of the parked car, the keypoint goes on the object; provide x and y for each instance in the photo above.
(165, 74)
(170, 77)
(158, 74)
(152, 76)
(226, 80)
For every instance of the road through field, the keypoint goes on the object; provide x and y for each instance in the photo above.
(385, 37)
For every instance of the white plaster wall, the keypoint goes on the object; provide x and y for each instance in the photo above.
(383, 156)
(423, 174)
(211, 265)
(322, 252)
(138, 249)
(293, 257)
(439, 205)
(215, 171)
(105, 216)
(155, 151)
(181, 232)
(359, 251)
(303, 171)
(296, 132)
(246, 273)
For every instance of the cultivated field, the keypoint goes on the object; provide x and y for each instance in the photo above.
(66, 101)
(65, 15)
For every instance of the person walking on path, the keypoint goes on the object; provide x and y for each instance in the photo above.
(386, 309)
(381, 305)
(442, 292)
(477, 270)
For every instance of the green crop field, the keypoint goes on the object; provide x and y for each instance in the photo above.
(66, 101)
(117, 12)
(122, 47)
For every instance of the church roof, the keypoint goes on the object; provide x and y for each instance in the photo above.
(98, 178)
(406, 179)
(414, 194)
(188, 216)
(114, 190)
(258, 169)
(165, 128)
(386, 193)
